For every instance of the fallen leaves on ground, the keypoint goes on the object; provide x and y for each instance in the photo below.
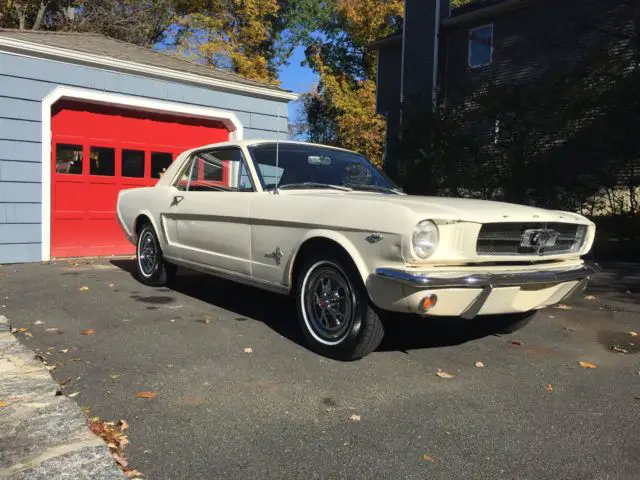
(589, 297)
(84, 289)
(549, 387)
(516, 342)
(479, 364)
(562, 306)
(64, 350)
(38, 322)
(428, 458)
(146, 394)
(3, 404)
(115, 376)
(632, 333)
(23, 329)
(88, 331)
(442, 374)
(52, 330)
(116, 440)
(28, 334)
(71, 395)
(618, 349)
(587, 365)
(111, 285)
(354, 418)
(637, 397)
(248, 350)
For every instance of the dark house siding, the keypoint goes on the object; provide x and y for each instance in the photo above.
(389, 77)
(542, 38)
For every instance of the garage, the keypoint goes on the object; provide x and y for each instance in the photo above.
(83, 116)
(98, 151)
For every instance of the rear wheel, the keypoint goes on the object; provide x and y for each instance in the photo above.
(334, 310)
(510, 322)
(151, 268)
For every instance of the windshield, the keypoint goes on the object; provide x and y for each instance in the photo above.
(315, 166)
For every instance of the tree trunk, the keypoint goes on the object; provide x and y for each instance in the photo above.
(40, 16)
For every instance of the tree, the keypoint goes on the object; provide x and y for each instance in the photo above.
(142, 22)
(346, 91)
(237, 35)
(35, 14)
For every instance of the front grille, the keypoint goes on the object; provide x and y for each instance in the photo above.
(535, 238)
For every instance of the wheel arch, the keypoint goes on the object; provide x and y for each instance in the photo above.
(328, 240)
(142, 218)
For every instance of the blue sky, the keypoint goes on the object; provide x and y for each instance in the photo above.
(297, 78)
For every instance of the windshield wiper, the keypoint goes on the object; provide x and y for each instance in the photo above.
(313, 185)
(376, 188)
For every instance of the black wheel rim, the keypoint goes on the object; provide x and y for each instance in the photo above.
(147, 253)
(328, 304)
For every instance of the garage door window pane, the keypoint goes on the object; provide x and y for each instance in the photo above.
(160, 161)
(103, 161)
(133, 163)
(68, 158)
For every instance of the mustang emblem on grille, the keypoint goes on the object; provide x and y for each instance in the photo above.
(538, 238)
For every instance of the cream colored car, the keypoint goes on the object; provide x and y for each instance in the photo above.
(325, 226)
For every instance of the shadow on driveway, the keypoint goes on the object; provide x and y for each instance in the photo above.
(278, 312)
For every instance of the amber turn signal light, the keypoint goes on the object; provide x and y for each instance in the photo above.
(428, 302)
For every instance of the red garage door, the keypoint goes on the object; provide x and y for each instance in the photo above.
(98, 151)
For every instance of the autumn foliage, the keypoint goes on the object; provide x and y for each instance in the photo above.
(346, 93)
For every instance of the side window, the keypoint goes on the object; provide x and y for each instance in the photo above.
(220, 170)
(183, 178)
(480, 46)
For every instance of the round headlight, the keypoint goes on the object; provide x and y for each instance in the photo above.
(425, 238)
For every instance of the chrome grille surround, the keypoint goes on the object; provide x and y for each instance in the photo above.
(530, 238)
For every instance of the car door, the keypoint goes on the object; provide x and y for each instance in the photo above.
(208, 221)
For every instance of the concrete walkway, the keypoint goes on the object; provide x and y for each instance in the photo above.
(43, 435)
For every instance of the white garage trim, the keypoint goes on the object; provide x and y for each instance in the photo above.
(229, 119)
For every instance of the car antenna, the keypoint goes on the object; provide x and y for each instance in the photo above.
(275, 191)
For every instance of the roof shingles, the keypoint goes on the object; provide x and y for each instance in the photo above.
(97, 44)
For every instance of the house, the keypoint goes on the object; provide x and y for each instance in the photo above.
(83, 116)
(445, 55)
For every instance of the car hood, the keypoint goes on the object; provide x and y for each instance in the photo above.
(459, 209)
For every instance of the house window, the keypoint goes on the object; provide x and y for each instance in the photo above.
(480, 46)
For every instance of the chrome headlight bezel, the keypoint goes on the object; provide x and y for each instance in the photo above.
(425, 239)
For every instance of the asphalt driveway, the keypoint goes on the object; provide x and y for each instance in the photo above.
(240, 396)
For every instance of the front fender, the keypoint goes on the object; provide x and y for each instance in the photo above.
(339, 238)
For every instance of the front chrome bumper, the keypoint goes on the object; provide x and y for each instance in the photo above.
(480, 280)
(489, 281)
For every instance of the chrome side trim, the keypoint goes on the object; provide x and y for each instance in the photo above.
(232, 276)
(481, 280)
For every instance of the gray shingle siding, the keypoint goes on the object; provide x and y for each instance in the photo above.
(25, 81)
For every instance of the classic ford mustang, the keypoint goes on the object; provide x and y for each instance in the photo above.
(324, 225)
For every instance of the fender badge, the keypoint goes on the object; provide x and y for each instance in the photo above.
(276, 255)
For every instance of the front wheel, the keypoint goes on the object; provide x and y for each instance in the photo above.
(334, 310)
(151, 268)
